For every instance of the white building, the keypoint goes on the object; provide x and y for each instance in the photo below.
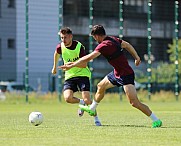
(43, 38)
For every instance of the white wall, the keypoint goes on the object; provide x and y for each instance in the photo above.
(7, 31)
(43, 38)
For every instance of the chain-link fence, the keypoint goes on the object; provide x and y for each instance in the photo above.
(44, 24)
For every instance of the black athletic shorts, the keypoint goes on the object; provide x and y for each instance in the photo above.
(123, 80)
(77, 84)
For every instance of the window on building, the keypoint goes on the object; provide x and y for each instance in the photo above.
(106, 9)
(0, 49)
(11, 3)
(77, 7)
(135, 9)
(134, 2)
(163, 10)
(11, 44)
(0, 8)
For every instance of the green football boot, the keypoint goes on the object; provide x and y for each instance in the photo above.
(87, 109)
(157, 124)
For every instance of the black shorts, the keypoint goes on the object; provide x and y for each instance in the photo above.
(77, 84)
(123, 80)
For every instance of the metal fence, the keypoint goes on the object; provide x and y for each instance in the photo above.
(34, 25)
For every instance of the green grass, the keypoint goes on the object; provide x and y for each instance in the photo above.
(122, 124)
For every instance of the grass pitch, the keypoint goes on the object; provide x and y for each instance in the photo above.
(122, 124)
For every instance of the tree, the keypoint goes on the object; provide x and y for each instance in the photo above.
(172, 52)
(165, 71)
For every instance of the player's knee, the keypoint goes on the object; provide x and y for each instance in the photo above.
(134, 104)
(100, 87)
(68, 99)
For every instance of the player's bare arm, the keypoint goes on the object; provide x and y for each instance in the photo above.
(83, 65)
(55, 61)
(81, 61)
(132, 51)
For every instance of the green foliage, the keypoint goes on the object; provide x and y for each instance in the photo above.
(165, 72)
(172, 51)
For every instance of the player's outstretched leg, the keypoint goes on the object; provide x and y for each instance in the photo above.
(87, 109)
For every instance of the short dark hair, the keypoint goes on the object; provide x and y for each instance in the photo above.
(98, 30)
(65, 30)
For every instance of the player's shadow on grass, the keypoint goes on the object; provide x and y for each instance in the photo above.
(141, 126)
(125, 126)
(171, 127)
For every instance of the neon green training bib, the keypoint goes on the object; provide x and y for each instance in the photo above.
(72, 56)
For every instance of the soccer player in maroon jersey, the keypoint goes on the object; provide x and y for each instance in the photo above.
(122, 75)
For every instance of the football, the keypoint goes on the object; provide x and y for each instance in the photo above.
(35, 118)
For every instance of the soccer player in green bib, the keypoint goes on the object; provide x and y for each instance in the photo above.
(77, 78)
